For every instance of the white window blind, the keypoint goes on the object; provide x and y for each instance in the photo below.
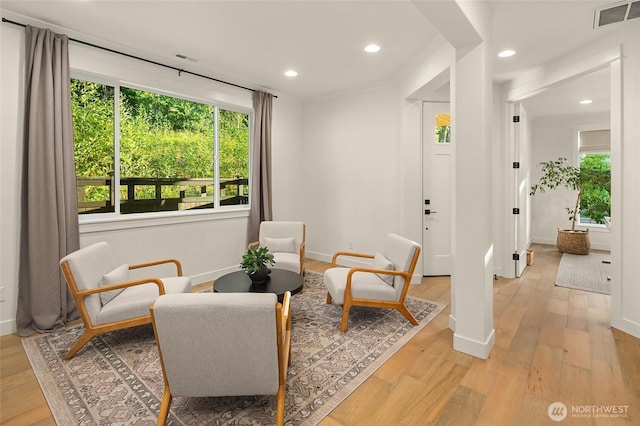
(595, 141)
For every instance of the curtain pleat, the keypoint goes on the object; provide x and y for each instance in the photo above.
(49, 220)
(260, 196)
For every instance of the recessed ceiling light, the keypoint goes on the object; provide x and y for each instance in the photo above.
(506, 53)
(291, 73)
(586, 101)
(372, 48)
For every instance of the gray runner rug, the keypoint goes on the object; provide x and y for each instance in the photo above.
(584, 272)
(116, 378)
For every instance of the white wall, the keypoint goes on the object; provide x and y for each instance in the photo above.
(288, 169)
(11, 76)
(351, 168)
(625, 243)
(552, 138)
(207, 244)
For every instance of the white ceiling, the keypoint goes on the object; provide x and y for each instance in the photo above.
(252, 43)
(564, 99)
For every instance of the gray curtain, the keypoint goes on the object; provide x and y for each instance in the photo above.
(260, 196)
(49, 219)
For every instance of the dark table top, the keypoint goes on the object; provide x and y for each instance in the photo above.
(280, 281)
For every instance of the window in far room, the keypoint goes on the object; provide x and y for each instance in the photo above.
(594, 149)
(171, 153)
(443, 128)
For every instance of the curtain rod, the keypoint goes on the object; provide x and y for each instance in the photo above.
(180, 70)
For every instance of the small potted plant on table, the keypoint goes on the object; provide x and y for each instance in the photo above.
(254, 263)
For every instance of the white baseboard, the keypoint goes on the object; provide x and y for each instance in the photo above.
(552, 242)
(627, 326)
(8, 327)
(318, 256)
(212, 275)
(474, 347)
(498, 271)
(343, 260)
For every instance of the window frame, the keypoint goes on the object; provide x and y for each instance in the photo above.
(598, 227)
(116, 220)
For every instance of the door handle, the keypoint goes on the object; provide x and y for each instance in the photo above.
(427, 211)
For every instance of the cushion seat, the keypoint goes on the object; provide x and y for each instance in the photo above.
(364, 285)
(288, 261)
(135, 301)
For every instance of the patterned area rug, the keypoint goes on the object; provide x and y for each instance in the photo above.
(584, 272)
(116, 378)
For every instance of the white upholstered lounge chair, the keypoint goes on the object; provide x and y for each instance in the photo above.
(239, 346)
(286, 240)
(384, 284)
(107, 299)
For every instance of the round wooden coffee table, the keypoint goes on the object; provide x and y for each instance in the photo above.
(280, 281)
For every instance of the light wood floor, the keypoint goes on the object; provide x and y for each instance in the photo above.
(552, 344)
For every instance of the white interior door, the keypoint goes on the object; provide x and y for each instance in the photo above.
(437, 175)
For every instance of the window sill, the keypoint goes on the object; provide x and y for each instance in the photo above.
(593, 227)
(142, 220)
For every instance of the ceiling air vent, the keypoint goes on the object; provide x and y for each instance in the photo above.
(618, 12)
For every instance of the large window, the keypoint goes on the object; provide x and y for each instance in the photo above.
(595, 165)
(138, 152)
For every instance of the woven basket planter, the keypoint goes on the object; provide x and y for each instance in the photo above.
(574, 242)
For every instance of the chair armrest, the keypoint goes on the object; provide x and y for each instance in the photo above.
(285, 309)
(283, 322)
(84, 293)
(349, 254)
(254, 244)
(159, 262)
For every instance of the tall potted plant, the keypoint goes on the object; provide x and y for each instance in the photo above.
(590, 182)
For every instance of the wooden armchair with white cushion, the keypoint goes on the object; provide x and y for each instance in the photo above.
(286, 241)
(223, 344)
(384, 284)
(106, 297)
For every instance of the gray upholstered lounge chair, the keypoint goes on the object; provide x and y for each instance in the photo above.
(286, 240)
(222, 344)
(384, 284)
(106, 297)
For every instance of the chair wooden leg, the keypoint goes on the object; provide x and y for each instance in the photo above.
(407, 314)
(280, 406)
(345, 317)
(164, 407)
(82, 340)
(329, 299)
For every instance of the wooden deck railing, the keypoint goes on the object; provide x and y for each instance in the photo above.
(232, 192)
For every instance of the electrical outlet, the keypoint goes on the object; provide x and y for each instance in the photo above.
(1, 294)
(350, 245)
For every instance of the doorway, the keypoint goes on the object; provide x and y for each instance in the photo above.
(437, 175)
